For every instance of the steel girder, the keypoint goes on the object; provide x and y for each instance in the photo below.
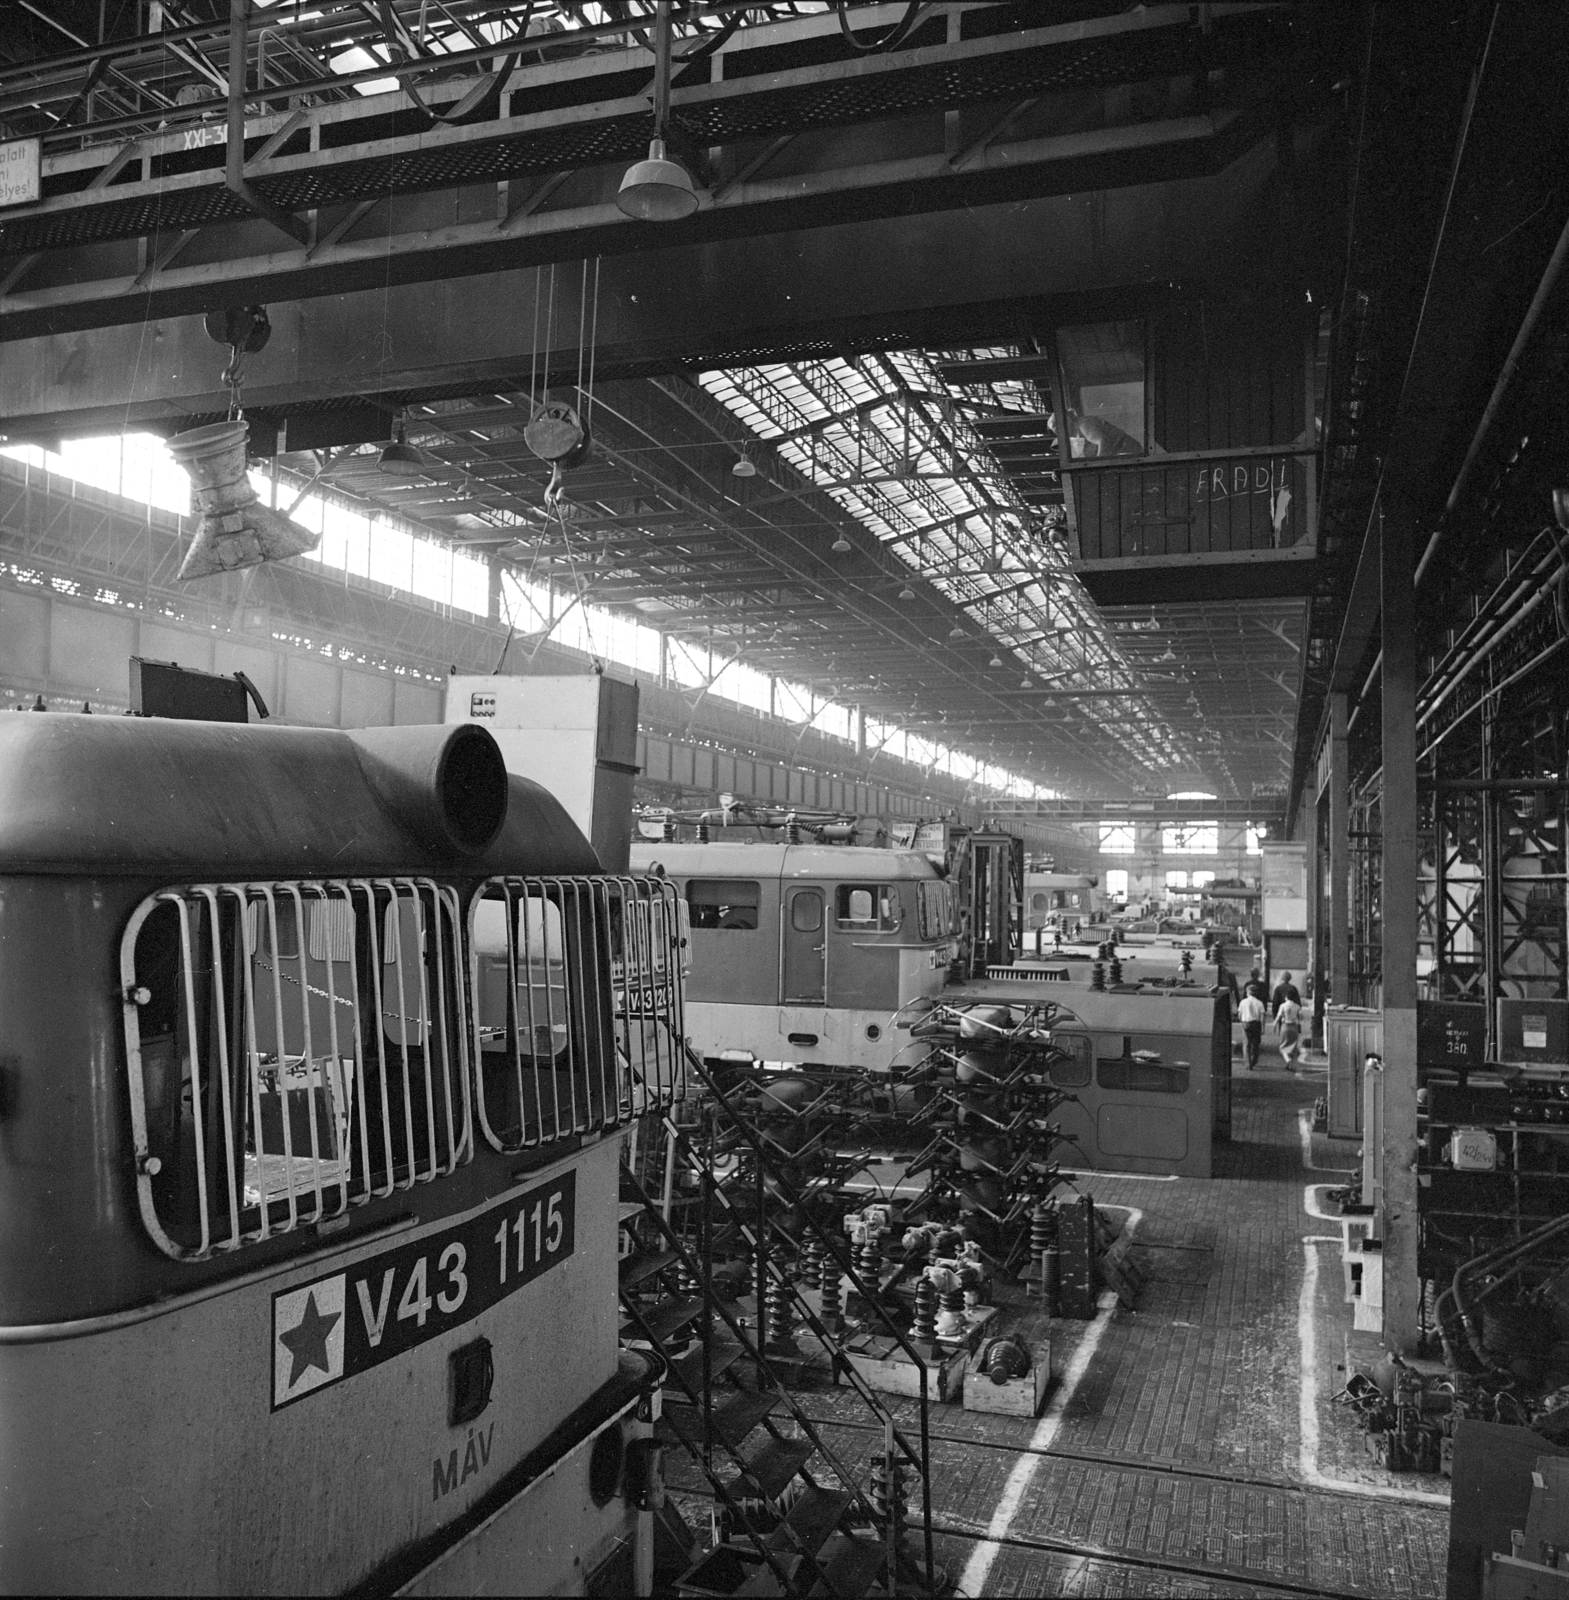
(1423, 333)
(571, 126)
(1270, 813)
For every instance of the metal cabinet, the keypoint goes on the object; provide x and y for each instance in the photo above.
(1350, 1037)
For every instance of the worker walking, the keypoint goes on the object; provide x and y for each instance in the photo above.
(1288, 1027)
(1284, 990)
(1251, 1014)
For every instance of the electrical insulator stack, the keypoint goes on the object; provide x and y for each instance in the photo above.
(993, 1145)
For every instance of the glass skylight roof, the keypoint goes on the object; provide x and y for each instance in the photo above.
(898, 449)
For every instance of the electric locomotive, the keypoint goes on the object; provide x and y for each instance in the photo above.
(316, 1049)
(808, 954)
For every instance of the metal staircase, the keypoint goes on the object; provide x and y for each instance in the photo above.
(794, 1515)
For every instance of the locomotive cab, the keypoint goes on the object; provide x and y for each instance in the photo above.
(807, 954)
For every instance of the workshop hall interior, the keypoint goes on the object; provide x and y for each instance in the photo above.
(783, 798)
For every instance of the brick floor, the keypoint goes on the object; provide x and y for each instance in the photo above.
(1177, 1468)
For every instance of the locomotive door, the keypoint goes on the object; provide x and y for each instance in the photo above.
(802, 959)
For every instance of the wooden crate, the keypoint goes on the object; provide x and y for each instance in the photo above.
(1017, 1397)
(893, 1372)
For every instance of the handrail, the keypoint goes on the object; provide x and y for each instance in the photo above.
(757, 1353)
(841, 1258)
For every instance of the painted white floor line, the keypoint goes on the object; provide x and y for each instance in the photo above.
(1142, 1177)
(1307, 1416)
(1305, 1129)
(979, 1566)
(1311, 1206)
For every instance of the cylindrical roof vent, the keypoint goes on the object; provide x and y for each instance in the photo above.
(447, 785)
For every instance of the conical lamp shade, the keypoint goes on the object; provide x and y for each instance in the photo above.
(400, 460)
(658, 189)
(234, 530)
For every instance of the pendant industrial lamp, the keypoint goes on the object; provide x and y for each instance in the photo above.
(658, 189)
(400, 459)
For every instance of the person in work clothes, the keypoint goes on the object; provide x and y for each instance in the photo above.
(1284, 990)
(1251, 1013)
(1288, 1026)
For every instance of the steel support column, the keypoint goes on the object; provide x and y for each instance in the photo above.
(1339, 854)
(1314, 978)
(1402, 1286)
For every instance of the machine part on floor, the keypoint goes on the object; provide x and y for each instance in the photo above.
(1003, 1358)
(890, 1494)
(950, 1318)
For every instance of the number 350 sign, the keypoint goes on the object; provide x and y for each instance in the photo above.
(19, 172)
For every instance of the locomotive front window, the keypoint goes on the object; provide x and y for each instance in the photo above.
(1071, 1068)
(293, 1049)
(576, 994)
(934, 899)
(724, 903)
(871, 907)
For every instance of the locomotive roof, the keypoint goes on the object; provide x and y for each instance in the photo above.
(200, 800)
(750, 859)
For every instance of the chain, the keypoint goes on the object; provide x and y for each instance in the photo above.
(233, 376)
(337, 999)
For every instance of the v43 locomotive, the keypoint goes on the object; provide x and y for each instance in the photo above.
(314, 1051)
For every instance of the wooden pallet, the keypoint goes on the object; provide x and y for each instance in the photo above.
(1116, 1263)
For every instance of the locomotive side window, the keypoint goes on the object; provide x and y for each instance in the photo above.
(293, 1049)
(576, 996)
(1144, 1071)
(727, 903)
(872, 907)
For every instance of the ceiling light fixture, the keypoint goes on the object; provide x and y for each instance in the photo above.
(745, 467)
(907, 593)
(400, 459)
(658, 189)
(996, 660)
(841, 546)
(956, 632)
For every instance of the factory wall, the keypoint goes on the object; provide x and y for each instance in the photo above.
(1148, 865)
(75, 653)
